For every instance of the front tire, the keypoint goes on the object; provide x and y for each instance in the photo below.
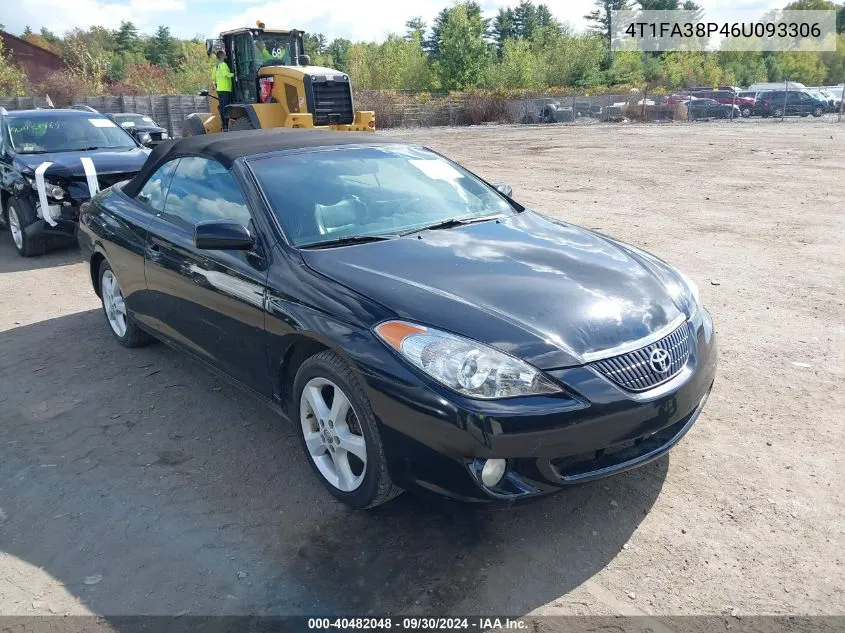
(339, 432)
(124, 329)
(817, 112)
(746, 112)
(19, 214)
(778, 113)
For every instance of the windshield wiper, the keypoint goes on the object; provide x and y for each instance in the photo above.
(452, 223)
(349, 239)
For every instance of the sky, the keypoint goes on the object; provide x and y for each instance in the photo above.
(334, 18)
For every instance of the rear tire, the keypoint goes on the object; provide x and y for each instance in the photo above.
(241, 123)
(778, 113)
(18, 215)
(120, 322)
(334, 413)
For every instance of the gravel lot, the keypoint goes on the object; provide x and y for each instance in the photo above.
(137, 482)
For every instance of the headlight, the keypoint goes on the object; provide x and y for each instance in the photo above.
(54, 190)
(165, 136)
(468, 367)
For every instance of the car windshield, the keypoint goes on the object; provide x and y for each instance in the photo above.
(134, 120)
(41, 133)
(330, 194)
(273, 49)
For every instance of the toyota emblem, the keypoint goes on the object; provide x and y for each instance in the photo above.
(660, 360)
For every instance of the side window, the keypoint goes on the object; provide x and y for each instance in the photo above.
(155, 190)
(202, 190)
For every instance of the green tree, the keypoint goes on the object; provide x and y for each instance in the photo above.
(626, 69)
(600, 18)
(569, 59)
(161, 48)
(463, 52)
(88, 55)
(415, 27)
(659, 5)
(126, 39)
(697, 11)
(811, 5)
(13, 81)
(315, 44)
(192, 73)
(51, 37)
(502, 29)
(433, 44)
(746, 67)
(338, 50)
(517, 69)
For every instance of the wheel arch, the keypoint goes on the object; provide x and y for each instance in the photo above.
(97, 259)
(295, 349)
(238, 110)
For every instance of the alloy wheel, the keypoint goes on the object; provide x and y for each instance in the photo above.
(15, 227)
(113, 304)
(333, 434)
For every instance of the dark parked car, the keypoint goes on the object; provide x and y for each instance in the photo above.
(46, 158)
(421, 328)
(792, 103)
(711, 109)
(729, 98)
(143, 128)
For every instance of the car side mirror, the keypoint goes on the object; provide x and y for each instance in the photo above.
(305, 60)
(504, 189)
(144, 138)
(202, 93)
(223, 236)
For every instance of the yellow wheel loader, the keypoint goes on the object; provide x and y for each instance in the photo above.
(275, 85)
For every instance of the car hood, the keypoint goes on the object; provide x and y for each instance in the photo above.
(145, 128)
(68, 165)
(542, 290)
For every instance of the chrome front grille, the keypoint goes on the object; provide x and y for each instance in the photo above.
(635, 371)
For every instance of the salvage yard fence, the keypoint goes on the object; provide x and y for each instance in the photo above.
(398, 109)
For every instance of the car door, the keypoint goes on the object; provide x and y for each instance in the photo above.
(210, 302)
(125, 236)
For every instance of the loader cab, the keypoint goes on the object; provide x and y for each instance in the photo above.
(248, 50)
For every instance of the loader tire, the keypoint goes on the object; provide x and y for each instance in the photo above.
(193, 125)
(241, 123)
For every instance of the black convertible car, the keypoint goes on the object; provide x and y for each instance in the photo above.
(421, 328)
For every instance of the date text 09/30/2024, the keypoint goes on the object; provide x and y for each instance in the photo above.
(418, 624)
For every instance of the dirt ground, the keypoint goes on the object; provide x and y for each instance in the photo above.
(136, 482)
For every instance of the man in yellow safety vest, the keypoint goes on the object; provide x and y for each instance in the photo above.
(221, 77)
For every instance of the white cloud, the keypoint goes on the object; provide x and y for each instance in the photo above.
(60, 15)
(333, 18)
(337, 18)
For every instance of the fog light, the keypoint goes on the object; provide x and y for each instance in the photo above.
(493, 471)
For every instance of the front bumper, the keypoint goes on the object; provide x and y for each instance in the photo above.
(434, 438)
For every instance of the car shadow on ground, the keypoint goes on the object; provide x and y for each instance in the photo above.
(11, 262)
(178, 493)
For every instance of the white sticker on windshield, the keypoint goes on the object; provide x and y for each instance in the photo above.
(101, 123)
(128, 124)
(437, 169)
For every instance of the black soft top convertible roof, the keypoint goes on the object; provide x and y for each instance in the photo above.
(227, 147)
